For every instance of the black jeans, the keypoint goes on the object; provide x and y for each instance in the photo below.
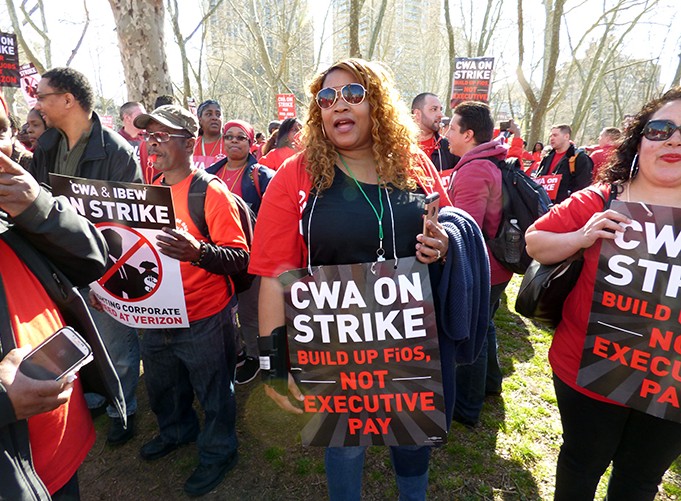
(641, 448)
(70, 491)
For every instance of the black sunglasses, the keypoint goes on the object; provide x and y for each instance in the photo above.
(660, 130)
(353, 94)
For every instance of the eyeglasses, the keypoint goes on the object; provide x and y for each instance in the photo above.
(660, 130)
(40, 97)
(159, 137)
(353, 94)
(241, 139)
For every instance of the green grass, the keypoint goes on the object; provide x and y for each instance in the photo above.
(510, 456)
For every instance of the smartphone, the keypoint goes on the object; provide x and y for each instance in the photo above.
(431, 209)
(61, 354)
(503, 126)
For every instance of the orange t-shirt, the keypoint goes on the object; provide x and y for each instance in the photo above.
(206, 293)
(60, 439)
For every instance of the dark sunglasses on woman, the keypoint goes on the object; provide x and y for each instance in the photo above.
(352, 93)
(660, 130)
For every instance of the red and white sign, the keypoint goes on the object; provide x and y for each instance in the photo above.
(107, 120)
(550, 184)
(286, 106)
(29, 83)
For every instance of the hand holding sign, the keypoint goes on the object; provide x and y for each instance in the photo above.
(283, 401)
(179, 245)
(601, 225)
(18, 189)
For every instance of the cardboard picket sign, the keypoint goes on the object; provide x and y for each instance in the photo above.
(364, 351)
(632, 352)
(139, 287)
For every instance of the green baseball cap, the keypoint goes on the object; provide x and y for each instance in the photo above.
(170, 115)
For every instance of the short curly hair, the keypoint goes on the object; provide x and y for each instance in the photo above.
(73, 82)
(393, 129)
(619, 168)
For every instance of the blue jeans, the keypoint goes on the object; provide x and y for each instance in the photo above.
(641, 448)
(199, 359)
(482, 376)
(122, 343)
(344, 467)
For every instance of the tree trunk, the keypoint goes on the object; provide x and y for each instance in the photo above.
(30, 55)
(139, 24)
(355, 9)
(554, 15)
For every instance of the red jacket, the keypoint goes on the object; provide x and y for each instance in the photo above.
(476, 188)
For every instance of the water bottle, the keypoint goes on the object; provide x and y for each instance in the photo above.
(513, 248)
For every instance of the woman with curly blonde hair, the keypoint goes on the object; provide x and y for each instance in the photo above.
(393, 131)
(365, 180)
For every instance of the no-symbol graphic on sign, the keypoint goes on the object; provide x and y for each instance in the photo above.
(134, 267)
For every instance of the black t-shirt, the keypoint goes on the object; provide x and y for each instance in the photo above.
(344, 228)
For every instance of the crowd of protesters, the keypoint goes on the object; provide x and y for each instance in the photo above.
(318, 188)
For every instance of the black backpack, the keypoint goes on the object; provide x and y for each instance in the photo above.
(196, 203)
(524, 201)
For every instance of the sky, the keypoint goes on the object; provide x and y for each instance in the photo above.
(99, 57)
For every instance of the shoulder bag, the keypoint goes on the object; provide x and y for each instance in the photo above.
(545, 287)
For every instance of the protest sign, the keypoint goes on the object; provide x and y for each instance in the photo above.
(550, 184)
(29, 83)
(286, 106)
(205, 161)
(632, 352)
(107, 121)
(9, 60)
(364, 350)
(139, 287)
(472, 78)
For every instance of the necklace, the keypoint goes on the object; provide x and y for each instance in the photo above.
(217, 143)
(380, 252)
(239, 172)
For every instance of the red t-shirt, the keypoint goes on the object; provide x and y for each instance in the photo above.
(206, 293)
(428, 146)
(601, 157)
(275, 158)
(60, 439)
(278, 244)
(565, 353)
(232, 179)
(556, 158)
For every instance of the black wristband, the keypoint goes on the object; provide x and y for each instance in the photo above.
(202, 253)
(274, 363)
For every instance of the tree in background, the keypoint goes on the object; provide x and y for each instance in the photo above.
(140, 29)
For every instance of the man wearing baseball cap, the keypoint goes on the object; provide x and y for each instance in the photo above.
(200, 359)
